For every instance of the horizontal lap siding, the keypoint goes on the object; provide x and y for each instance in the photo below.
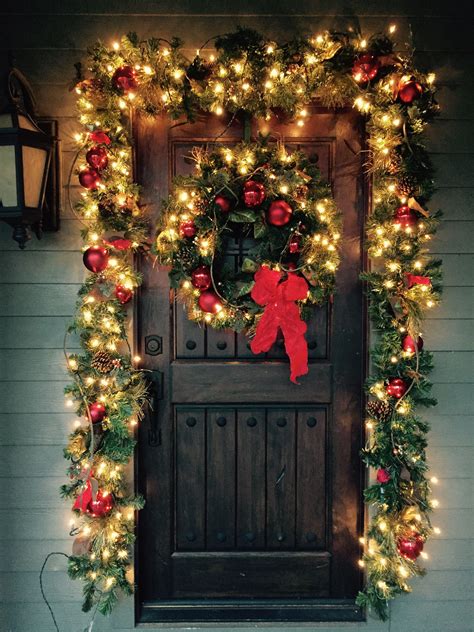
(39, 290)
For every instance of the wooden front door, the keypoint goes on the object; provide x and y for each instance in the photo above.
(252, 483)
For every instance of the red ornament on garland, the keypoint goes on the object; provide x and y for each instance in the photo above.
(279, 213)
(223, 203)
(409, 345)
(89, 179)
(97, 157)
(254, 193)
(396, 387)
(201, 278)
(409, 91)
(405, 217)
(123, 294)
(410, 546)
(365, 68)
(125, 79)
(97, 412)
(99, 137)
(119, 243)
(383, 476)
(209, 302)
(294, 244)
(187, 229)
(96, 258)
(101, 506)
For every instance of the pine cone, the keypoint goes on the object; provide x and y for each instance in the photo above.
(380, 410)
(103, 362)
(406, 185)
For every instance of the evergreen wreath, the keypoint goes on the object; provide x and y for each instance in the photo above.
(265, 193)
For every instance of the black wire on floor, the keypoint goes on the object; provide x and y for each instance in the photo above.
(42, 587)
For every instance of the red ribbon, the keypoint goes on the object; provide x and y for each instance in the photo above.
(281, 313)
(84, 497)
(413, 279)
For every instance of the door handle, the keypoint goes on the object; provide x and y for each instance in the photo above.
(155, 389)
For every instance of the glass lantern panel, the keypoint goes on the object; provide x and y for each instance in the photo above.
(8, 191)
(6, 121)
(24, 122)
(34, 162)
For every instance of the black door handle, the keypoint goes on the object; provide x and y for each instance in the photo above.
(155, 389)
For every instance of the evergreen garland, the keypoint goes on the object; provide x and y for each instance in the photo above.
(249, 73)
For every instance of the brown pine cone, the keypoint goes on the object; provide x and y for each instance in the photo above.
(406, 185)
(103, 362)
(379, 410)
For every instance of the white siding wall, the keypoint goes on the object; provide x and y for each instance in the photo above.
(39, 285)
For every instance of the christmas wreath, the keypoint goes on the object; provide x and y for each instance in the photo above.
(275, 199)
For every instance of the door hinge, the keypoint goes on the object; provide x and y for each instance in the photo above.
(155, 389)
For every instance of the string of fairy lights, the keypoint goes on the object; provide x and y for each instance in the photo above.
(247, 72)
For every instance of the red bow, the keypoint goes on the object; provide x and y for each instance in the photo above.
(414, 279)
(281, 312)
(87, 495)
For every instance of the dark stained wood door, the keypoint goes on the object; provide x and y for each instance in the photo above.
(252, 483)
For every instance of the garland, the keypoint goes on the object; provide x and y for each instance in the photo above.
(277, 199)
(250, 73)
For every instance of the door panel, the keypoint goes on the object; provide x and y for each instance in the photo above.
(254, 490)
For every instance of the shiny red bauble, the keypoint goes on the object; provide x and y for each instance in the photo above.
(89, 179)
(201, 278)
(97, 412)
(223, 203)
(409, 345)
(101, 506)
(99, 137)
(396, 387)
(97, 157)
(253, 193)
(409, 91)
(123, 294)
(405, 217)
(383, 476)
(187, 229)
(279, 213)
(294, 245)
(96, 258)
(209, 302)
(125, 79)
(410, 546)
(365, 68)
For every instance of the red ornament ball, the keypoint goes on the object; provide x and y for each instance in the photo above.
(97, 157)
(99, 137)
(365, 68)
(201, 278)
(295, 244)
(101, 506)
(405, 217)
(383, 476)
(279, 213)
(96, 258)
(97, 412)
(89, 179)
(223, 203)
(187, 229)
(254, 193)
(408, 344)
(209, 302)
(125, 79)
(410, 546)
(409, 91)
(123, 294)
(396, 387)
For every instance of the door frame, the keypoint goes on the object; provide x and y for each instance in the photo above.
(238, 611)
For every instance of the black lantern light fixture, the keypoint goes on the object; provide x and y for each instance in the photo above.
(25, 159)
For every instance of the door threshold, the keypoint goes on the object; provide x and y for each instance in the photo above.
(250, 611)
